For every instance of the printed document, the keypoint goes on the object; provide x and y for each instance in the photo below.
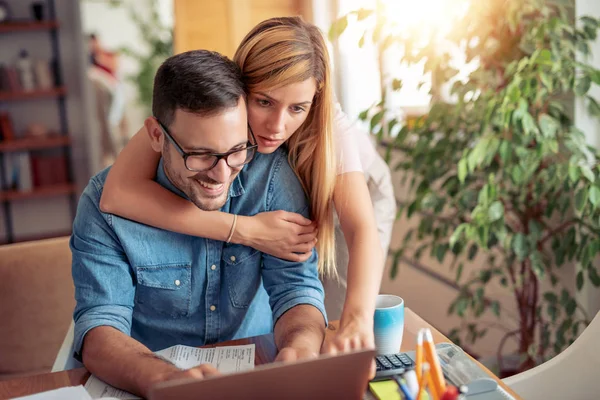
(226, 359)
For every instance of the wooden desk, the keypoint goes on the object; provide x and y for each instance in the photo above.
(265, 353)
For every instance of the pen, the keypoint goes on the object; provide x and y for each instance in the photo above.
(436, 369)
(412, 383)
(403, 387)
(419, 355)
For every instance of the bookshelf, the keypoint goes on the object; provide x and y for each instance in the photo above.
(35, 94)
(27, 26)
(35, 150)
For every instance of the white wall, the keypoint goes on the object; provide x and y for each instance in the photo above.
(590, 296)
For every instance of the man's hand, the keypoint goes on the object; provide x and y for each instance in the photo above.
(200, 372)
(291, 354)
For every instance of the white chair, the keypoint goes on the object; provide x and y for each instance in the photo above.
(65, 353)
(574, 374)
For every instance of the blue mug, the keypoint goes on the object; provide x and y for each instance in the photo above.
(388, 326)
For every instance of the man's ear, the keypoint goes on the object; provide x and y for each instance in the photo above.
(155, 134)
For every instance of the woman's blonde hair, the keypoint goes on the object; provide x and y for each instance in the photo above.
(281, 51)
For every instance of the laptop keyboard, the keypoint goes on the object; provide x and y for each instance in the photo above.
(392, 364)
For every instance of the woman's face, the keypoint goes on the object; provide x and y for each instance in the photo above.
(276, 114)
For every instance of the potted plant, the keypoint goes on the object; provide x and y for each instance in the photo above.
(498, 167)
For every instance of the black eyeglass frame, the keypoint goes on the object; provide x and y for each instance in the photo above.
(185, 155)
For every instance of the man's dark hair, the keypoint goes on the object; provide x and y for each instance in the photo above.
(198, 81)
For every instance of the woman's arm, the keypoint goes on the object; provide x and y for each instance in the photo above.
(131, 192)
(365, 265)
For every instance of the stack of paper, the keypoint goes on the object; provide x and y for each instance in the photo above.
(226, 359)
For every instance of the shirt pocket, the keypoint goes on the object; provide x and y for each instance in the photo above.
(164, 290)
(242, 273)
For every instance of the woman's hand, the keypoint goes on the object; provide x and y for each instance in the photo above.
(282, 234)
(355, 333)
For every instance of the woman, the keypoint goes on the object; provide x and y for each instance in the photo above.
(286, 69)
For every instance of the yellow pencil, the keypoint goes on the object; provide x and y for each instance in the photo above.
(419, 355)
(423, 381)
(436, 368)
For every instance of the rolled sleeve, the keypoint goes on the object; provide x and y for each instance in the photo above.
(104, 283)
(288, 283)
(114, 316)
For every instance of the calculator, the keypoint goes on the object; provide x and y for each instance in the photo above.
(389, 365)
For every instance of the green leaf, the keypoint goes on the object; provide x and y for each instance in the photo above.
(595, 76)
(529, 124)
(551, 297)
(361, 41)
(495, 308)
(520, 246)
(459, 271)
(574, 173)
(496, 211)
(505, 151)
(594, 195)
(517, 174)
(473, 251)
(440, 252)
(338, 27)
(456, 234)
(363, 13)
(580, 199)
(583, 85)
(579, 280)
(548, 125)
(396, 263)
(462, 170)
(587, 172)
(545, 57)
(376, 120)
(363, 115)
(593, 107)
(593, 275)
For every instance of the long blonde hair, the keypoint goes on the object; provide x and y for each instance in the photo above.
(281, 51)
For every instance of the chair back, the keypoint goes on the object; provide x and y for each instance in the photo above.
(36, 305)
(573, 374)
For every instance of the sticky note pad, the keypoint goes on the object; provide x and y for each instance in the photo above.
(385, 390)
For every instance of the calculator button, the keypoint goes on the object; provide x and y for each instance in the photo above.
(378, 365)
(384, 361)
(395, 361)
(405, 360)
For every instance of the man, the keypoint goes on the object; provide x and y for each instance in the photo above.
(140, 289)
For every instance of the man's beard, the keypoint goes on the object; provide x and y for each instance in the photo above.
(191, 187)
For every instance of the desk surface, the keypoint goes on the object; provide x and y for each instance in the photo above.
(265, 353)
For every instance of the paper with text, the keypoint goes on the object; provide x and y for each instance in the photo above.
(66, 393)
(226, 359)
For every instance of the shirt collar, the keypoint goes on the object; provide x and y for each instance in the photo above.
(236, 189)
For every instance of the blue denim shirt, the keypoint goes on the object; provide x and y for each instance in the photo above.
(164, 288)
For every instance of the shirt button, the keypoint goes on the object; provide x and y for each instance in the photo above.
(232, 258)
(213, 308)
(177, 282)
(213, 267)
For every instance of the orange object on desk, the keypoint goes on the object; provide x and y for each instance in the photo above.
(434, 362)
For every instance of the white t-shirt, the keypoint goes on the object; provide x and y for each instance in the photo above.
(353, 146)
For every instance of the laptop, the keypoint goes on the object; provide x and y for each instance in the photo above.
(341, 376)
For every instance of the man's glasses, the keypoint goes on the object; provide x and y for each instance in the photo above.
(204, 161)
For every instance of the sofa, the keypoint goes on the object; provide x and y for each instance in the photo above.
(36, 305)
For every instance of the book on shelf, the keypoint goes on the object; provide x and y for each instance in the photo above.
(17, 172)
(6, 127)
(48, 170)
